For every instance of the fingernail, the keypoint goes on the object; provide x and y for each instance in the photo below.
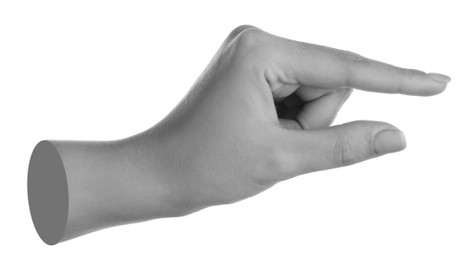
(389, 141)
(439, 77)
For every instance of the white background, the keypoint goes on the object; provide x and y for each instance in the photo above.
(101, 70)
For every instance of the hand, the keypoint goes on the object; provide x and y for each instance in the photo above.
(260, 113)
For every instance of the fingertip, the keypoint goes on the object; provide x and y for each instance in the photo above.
(441, 78)
(435, 89)
(430, 84)
(389, 141)
(439, 83)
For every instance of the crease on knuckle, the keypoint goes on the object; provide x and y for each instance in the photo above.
(407, 75)
(400, 84)
(352, 60)
(343, 153)
(351, 56)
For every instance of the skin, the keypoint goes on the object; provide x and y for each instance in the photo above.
(260, 113)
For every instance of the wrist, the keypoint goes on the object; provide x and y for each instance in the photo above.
(77, 187)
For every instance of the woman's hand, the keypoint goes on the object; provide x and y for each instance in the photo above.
(260, 113)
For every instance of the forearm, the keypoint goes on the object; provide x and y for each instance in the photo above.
(106, 184)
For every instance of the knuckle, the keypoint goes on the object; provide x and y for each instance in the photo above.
(410, 74)
(405, 76)
(237, 30)
(249, 38)
(250, 46)
(344, 152)
(351, 61)
(404, 73)
(252, 41)
(351, 56)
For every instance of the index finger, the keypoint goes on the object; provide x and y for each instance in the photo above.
(321, 66)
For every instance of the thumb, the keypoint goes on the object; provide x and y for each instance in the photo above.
(337, 146)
